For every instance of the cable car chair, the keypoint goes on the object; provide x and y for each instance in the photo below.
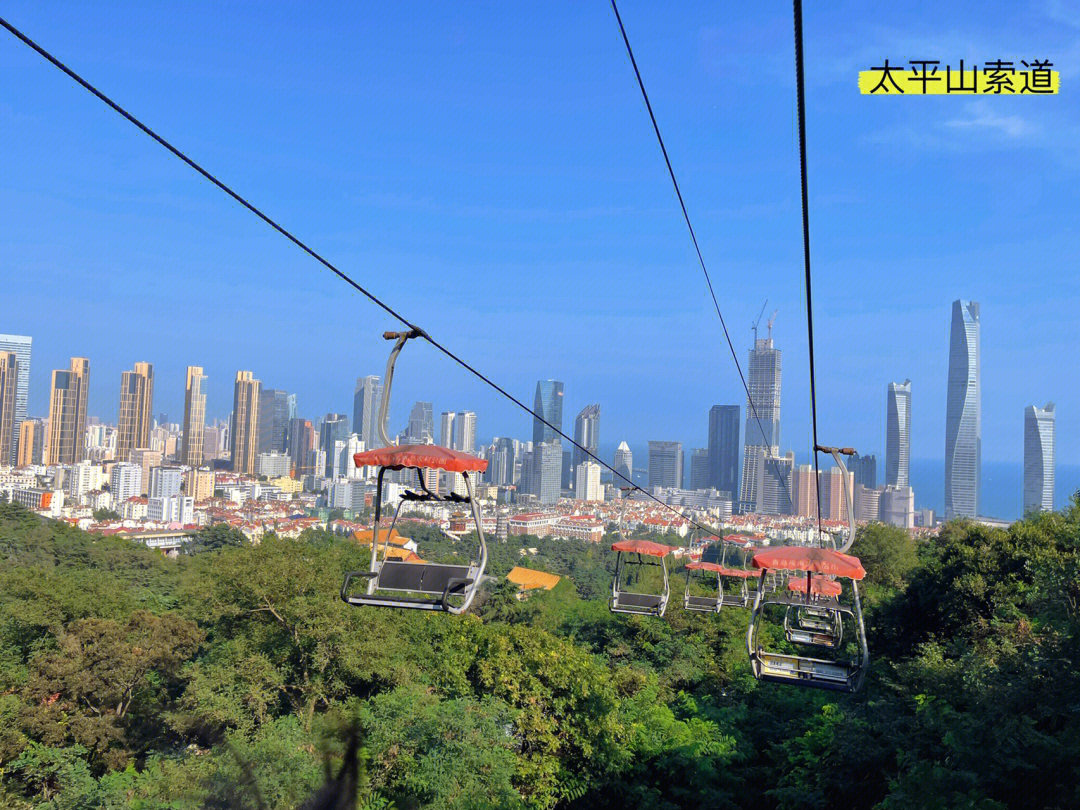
(817, 624)
(708, 604)
(812, 592)
(416, 585)
(637, 554)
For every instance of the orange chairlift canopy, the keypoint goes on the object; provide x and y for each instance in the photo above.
(818, 586)
(741, 539)
(812, 559)
(647, 547)
(719, 569)
(425, 456)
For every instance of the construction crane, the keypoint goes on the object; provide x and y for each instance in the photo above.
(754, 325)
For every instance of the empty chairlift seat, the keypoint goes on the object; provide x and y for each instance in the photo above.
(639, 555)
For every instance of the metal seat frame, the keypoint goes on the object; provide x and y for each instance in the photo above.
(709, 604)
(624, 601)
(816, 673)
(386, 579)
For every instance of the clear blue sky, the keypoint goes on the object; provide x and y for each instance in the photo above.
(489, 169)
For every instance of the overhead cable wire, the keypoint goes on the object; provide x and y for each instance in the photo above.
(329, 265)
(801, 100)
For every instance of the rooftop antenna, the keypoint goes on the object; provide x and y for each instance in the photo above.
(754, 326)
(772, 320)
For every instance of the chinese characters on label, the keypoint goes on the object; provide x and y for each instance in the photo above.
(920, 77)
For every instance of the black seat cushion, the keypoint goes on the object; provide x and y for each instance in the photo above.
(421, 577)
(642, 600)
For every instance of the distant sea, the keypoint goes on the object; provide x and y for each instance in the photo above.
(1002, 482)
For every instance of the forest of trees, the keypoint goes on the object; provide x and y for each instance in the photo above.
(233, 676)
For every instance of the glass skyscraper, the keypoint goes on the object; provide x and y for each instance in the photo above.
(273, 420)
(20, 345)
(963, 414)
(586, 432)
(898, 434)
(665, 464)
(762, 431)
(548, 404)
(1039, 458)
(724, 449)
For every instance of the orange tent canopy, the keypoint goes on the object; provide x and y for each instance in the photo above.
(812, 559)
(426, 456)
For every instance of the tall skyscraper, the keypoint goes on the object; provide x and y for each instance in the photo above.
(833, 498)
(762, 416)
(136, 406)
(194, 418)
(548, 404)
(546, 474)
(864, 470)
(446, 429)
(699, 468)
(31, 442)
(1039, 458)
(665, 464)
(804, 491)
(963, 414)
(724, 449)
(465, 431)
(366, 400)
(586, 433)
(774, 485)
(587, 482)
(335, 428)
(20, 345)
(273, 420)
(244, 434)
(9, 385)
(301, 443)
(64, 442)
(623, 464)
(421, 428)
(898, 434)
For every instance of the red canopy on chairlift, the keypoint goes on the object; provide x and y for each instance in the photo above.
(427, 456)
(643, 547)
(720, 569)
(819, 586)
(741, 539)
(812, 559)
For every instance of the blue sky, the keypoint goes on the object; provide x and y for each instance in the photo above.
(489, 169)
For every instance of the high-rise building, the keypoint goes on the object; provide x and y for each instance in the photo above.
(31, 442)
(199, 484)
(20, 345)
(665, 464)
(864, 470)
(898, 434)
(761, 435)
(213, 439)
(897, 507)
(867, 503)
(503, 461)
(724, 449)
(67, 413)
(623, 464)
(366, 400)
(446, 429)
(700, 472)
(273, 420)
(1039, 458)
(421, 428)
(165, 482)
(191, 452)
(566, 472)
(9, 385)
(125, 481)
(804, 491)
(465, 431)
(301, 443)
(335, 428)
(586, 433)
(245, 422)
(147, 461)
(834, 505)
(963, 414)
(546, 474)
(587, 482)
(773, 486)
(548, 404)
(136, 406)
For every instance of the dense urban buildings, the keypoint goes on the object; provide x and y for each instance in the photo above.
(67, 413)
(761, 435)
(244, 438)
(20, 345)
(135, 412)
(898, 434)
(194, 426)
(665, 464)
(724, 449)
(548, 404)
(334, 429)
(421, 429)
(1039, 426)
(963, 414)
